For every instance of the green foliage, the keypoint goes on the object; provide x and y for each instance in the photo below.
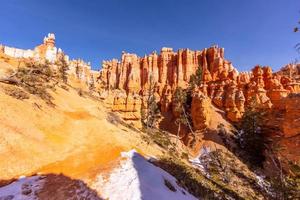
(158, 137)
(180, 98)
(286, 187)
(187, 177)
(151, 113)
(92, 84)
(182, 106)
(252, 139)
(184, 156)
(195, 79)
(62, 68)
(16, 92)
(36, 78)
(286, 183)
(193, 181)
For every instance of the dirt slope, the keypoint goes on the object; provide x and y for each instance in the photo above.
(72, 137)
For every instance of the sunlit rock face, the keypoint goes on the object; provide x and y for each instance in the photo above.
(222, 86)
(201, 111)
(228, 89)
(80, 73)
(46, 50)
(167, 71)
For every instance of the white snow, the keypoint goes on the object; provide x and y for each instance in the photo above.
(22, 189)
(138, 179)
(198, 161)
(263, 184)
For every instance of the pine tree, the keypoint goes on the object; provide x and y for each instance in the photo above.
(195, 79)
(252, 139)
(152, 114)
(180, 100)
(62, 68)
(92, 83)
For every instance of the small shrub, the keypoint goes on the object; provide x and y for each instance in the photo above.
(64, 87)
(36, 78)
(80, 92)
(113, 118)
(188, 178)
(16, 93)
(159, 138)
(286, 187)
(184, 156)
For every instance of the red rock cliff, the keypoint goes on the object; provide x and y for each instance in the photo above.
(227, 88)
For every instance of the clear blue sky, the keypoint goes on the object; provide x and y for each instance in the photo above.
(251, 31)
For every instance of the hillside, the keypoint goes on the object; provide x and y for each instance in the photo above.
(168, 126)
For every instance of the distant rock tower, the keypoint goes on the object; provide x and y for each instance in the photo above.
(49, 40)
(47, 50)
(1, 48)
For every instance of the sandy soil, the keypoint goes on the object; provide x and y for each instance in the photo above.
(72, 138)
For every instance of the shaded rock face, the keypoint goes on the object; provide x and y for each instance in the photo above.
(227, 89)
(291, 123)
(283, 127)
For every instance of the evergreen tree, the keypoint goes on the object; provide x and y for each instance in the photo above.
(62, 68)
(252, 139)
(180, 100)
(195, 79)
(152, 114)
(92, 83)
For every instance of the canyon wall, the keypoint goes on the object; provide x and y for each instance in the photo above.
(227, 88)
(46, 50)
(127, 83)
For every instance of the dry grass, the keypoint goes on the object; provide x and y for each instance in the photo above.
(16, 92)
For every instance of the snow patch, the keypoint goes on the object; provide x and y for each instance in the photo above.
(201, 160)
(263, 184)
(138, 179)
(22, 189)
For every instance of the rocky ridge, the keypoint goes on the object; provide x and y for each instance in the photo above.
(127, 82)
(221, 82)
(81, 125)
(79, 72)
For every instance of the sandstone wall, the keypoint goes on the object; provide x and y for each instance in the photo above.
(46, 50)
(18, 53)
(80, 73)
(228, 89)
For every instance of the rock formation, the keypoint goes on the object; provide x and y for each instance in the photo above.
(125, 84)
(228, 89)
(222, 85)
(80, 72)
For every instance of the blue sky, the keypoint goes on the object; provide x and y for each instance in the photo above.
(251, 31)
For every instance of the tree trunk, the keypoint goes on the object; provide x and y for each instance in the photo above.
(178, 133)
(9, 81)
